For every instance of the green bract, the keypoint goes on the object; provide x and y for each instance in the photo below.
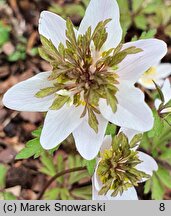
(117, 168)
(82, 68)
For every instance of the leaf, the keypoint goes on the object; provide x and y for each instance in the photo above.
(82, 193)
(111, 99)
(92, 120)
(9, 196)
(137, 4)
(147, 186)
(158, 125)
(135, 140)
(157, 188)
(141, 22)
(167, 105)
(164, 176)
(32, 148)
(159, 92)
(59, 102)
(48, 164)
(3, 171)
(52, 194)
(4, 32)
(36, 133)
(90, 164)
(46, 92)
(111, 129)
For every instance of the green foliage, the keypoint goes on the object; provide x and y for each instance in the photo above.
(157, 184)
(90, 164)
(65, 188)
(4, 32)
(111, 129)
(4, 195)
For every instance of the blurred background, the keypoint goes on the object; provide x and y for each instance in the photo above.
(19, 60)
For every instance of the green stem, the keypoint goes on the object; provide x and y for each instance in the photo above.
(57, 176)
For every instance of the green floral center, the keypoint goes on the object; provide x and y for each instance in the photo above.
(117, 168)
(82, 68)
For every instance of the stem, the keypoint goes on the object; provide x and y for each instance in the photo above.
(57, 176)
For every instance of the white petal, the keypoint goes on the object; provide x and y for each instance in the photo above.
(130, 194)
(52, 27)
(163, 70)
(106, 143)
(21, 96)
(59, 124)
(129, 132)
(133, 66)
(148, 165)
(99, 10)
(166, 89)
(87, 141)
(150, 85)
(96, 180)
(132, 111)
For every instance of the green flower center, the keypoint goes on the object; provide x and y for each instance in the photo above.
(84, 70)
(117, 168)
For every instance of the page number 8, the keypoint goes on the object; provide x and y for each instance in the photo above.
(162, 207)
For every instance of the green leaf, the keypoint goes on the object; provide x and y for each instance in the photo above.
(111, 129)
(135, 140)
(49, 167)
(147, 186)
(92, 120)
(9, 196)
(36, 133)
(4, 32)
(164, 176)
(137, 4)
(59, 102)
(90, 164)
(111, 99)
(167, 105)
(82, 193)
(32, 148)
(3, 171)
(157, 188)
(46, 92)
(159, 92)
(52, 194)
(141, 22)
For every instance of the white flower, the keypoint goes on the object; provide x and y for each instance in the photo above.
(166, 90)
(132, 111)
(148, 165)
(157, 74)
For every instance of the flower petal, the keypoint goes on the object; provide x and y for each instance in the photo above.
(132, 111)
(59, 124)
(100, 10)
(148, 165)
(106, 143)
(21, 96)
(163, 70)
(129, 132)
(133, 66)
(96, 180)
(166, 89)
(130, 194)
(52, 27)
(87, 141)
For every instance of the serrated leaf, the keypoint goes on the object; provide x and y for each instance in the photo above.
(82, 193)
(164, 176)
(52, 194)
(48, 164)
(32, 148)
(157, 188)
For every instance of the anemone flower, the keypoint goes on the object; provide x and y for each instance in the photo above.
(156, 73)
(92, 79)
(128, 170)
